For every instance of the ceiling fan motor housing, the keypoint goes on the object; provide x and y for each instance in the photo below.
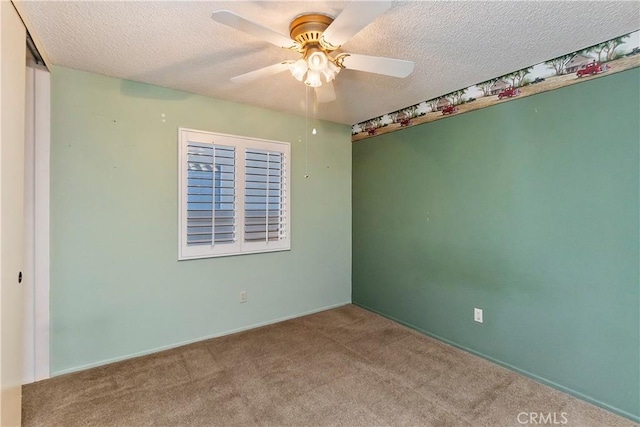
(307, 30)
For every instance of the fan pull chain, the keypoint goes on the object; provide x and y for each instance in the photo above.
(306, 131)
(315, 109)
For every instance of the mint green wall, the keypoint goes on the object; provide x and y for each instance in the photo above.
(117, 288)
(528, 210)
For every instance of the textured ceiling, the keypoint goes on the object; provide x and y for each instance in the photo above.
(453, 44)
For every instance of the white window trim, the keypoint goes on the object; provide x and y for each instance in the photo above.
(240, 247)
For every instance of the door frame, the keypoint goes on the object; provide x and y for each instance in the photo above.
(12, 128)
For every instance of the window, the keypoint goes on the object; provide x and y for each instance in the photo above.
(234, 195)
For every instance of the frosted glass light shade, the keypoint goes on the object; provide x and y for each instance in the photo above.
(317, 61)
(298, 69)
(313, 79)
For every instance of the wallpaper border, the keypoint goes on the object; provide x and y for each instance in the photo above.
(606, 58)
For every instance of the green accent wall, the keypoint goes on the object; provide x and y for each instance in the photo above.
(528, 210)
(117, 288)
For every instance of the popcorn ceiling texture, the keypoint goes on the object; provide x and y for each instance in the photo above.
(453, 45)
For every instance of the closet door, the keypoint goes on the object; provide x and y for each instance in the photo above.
(12, 131)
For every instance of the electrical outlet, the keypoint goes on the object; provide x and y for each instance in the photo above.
(243, 296)
(477, 315)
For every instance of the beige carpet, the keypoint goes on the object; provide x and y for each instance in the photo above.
(345, 367)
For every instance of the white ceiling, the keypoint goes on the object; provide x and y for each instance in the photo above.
(454, 44)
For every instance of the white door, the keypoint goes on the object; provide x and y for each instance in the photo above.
(12, 129)
(35, 282)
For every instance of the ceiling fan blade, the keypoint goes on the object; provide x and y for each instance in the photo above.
(378, 65)
(325, 93)
(354, 17)
(262, 72)
(229, 18)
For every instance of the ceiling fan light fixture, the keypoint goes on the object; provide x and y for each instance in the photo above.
(298, 69)
(319, 64)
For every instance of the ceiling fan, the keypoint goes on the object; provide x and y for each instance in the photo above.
(318, 37)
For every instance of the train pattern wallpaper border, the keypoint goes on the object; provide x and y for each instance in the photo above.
(612, 56)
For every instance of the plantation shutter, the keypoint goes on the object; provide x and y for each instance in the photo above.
(264, 202)
(211, 194)
(233, 194)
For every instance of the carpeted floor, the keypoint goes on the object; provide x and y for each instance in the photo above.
(345, 367)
